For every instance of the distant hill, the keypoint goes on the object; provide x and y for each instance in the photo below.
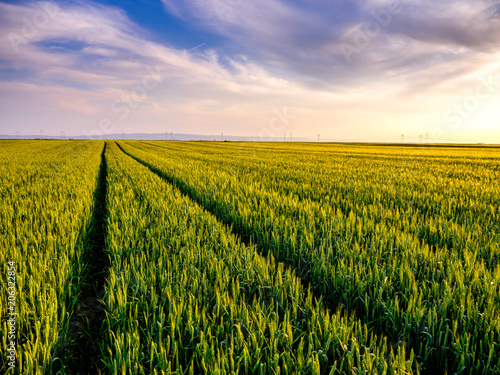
(162, 137)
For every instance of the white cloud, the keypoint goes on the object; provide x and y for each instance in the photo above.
(309, 39)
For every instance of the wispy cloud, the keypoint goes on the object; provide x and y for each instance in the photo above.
(309, 38)
(96, 49)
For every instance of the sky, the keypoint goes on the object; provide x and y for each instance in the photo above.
(347, 70)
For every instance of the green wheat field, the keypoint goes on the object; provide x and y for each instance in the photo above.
(162, 257)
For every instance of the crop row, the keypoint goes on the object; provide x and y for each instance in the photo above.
(411, 244)
(47, 192)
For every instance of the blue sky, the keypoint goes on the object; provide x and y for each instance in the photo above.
(349, 70)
